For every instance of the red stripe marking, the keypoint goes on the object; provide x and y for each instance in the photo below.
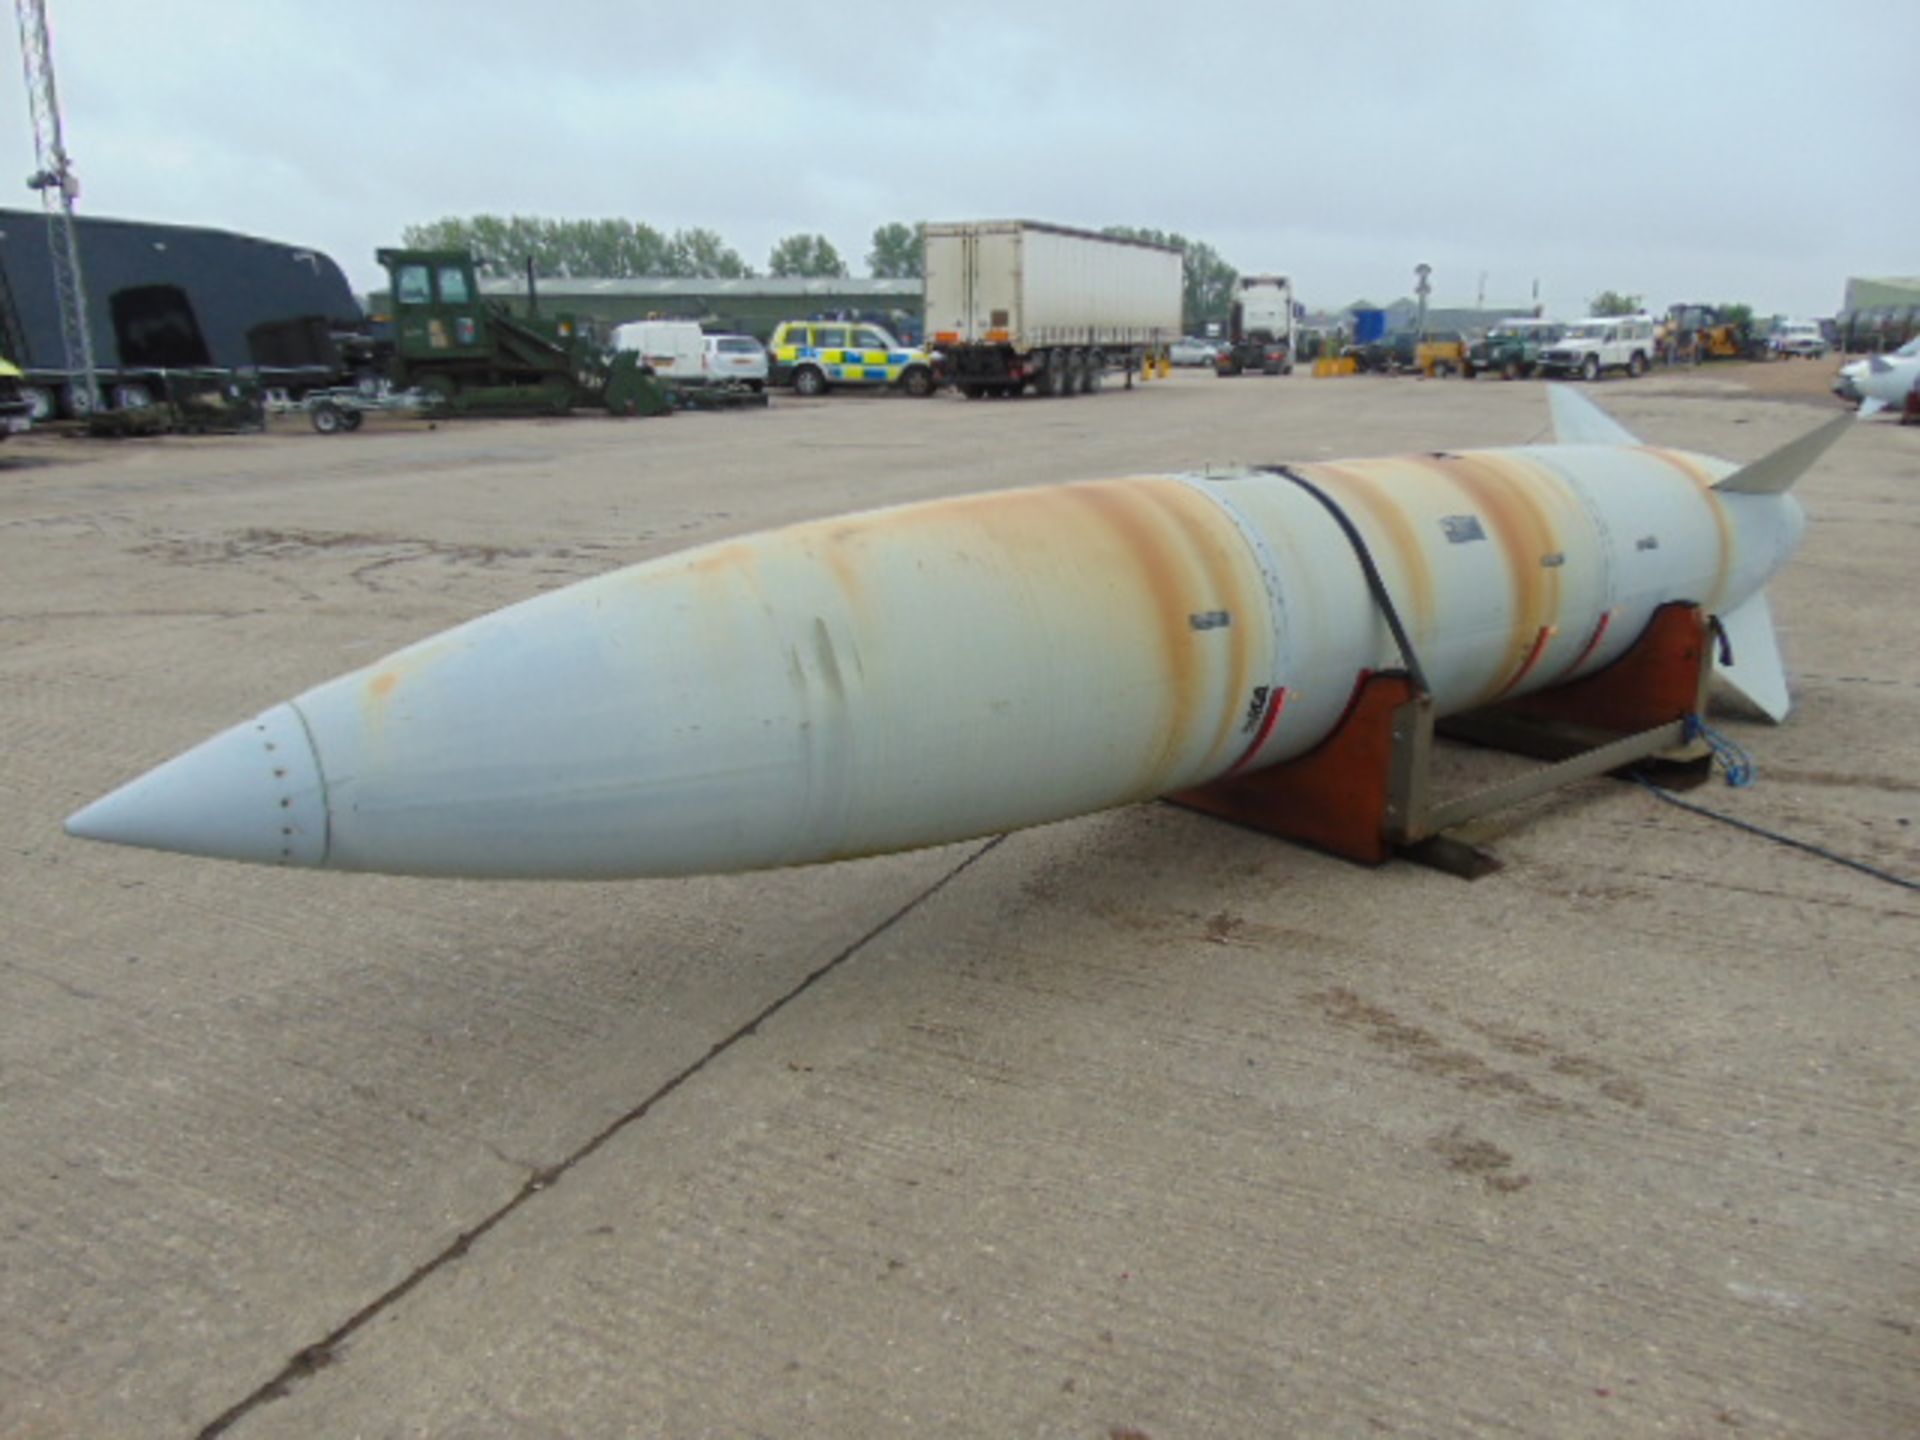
(1533, 659)
(1276, 702)
(1606, 618)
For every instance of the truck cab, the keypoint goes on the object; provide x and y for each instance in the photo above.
(1260, 327)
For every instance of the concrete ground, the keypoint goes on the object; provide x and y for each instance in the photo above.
(1137, 1125)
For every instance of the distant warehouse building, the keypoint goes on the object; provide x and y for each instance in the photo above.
(746, 307)
(1880, 313)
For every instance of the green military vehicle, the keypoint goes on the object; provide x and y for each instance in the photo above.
(1512, 348)
(468, 356)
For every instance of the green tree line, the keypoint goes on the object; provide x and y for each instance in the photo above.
(614, 249)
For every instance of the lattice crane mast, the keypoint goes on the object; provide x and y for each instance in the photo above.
(59, 188)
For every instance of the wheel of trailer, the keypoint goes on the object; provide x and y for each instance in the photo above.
(328, 418)
(1590, 368)
(918, 382)
(1073, 373)
(1510, 370)
(76, 401)
(1637, 366)
(809, 382)
(1058, 372)
(131, 395)
(1043, 379)
(40, 403)
(1096, 371)
(352, 419)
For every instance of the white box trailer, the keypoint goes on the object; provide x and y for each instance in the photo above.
(1014, 303)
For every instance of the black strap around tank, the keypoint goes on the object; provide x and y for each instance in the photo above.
(1372, 571)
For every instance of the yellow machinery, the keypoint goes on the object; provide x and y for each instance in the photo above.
(1441, 353)
(1700, 332)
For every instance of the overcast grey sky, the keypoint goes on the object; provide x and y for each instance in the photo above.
(1684, 150)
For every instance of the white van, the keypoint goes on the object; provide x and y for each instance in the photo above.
(1599, 343)
(676, 349)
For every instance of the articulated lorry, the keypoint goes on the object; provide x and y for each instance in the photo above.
(1014, 305)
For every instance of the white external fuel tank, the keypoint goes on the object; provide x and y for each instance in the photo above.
(923, 674)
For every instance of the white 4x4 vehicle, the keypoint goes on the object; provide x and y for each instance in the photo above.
(1799, 337)
(1619, 342)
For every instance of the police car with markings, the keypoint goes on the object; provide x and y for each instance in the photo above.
(814, 355)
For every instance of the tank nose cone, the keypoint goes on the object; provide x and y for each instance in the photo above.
(250, 793)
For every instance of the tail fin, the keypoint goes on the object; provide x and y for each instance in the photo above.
(1756, 672)
(1578, 421)
(1775, 473)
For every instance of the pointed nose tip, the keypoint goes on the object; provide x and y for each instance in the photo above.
(250, 793)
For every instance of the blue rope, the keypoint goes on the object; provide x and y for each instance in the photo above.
(1774, 835)
(1731, 757)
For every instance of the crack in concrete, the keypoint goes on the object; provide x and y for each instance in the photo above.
(311, 1359)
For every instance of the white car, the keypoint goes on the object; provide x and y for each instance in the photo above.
(1190, 350)
(739, 358)
(1798, 337)
(1589, 347)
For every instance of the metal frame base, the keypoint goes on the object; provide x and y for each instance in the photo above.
(1366, 792)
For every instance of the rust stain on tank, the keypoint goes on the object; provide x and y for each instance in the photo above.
(1363, 484)
(721, 559)
(1165, 577)
(382, 685)
(841, 553)
(1230, 586)
(1508, 497)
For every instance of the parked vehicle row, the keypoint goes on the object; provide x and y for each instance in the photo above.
(680, 350)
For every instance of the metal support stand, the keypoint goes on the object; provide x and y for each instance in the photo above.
(1366, 792)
